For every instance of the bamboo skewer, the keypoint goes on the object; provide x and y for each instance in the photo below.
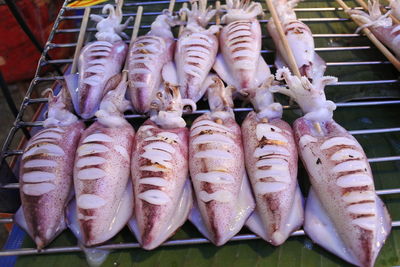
(171, 6)
(183, 18)
(81, 36)
(278, 25)
(135, 32)
(365, 6)
(217, 16)
(371, 36)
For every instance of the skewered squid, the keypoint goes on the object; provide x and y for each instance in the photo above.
(381, 26)
(104, 200)
(343, 213)
(271, 162)
(395, 6)
(99, 62)
(224, 200)
(299, 37)
(196, 50)
(162, 189)
(46, 172)
(240, 63)
(146, 59)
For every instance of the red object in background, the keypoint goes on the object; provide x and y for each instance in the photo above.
(18, 56)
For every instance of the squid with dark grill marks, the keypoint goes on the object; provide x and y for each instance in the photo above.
(99, 62)
(146, 60)
(240, 63)
(46, 172)
(299, 37)
(343, 213)
(224, 200)
(196, 50)
(162, 189)
(271, 163)
(104, 196)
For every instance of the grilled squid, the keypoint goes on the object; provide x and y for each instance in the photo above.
(146, 59)
(46, 172)
(271, 163)
(395, 7)
(343, 213)
(239, 62)
(224, 200)
(99, 62)
(104, 200)
(299, 37)
(196, 50)
(162, 189)
(380, 25)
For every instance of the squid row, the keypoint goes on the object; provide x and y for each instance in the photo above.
(217, 174)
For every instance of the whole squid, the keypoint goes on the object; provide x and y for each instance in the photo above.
(196, 50)
(46, 172)
(271, 163)
(104, 200)
(380, 25)
(224, 200)
(146, 59)
(162, 189)
(239, 62)
(100, 62)
(299, 37)
(343, 213)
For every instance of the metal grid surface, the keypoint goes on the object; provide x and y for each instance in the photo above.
(9, 152)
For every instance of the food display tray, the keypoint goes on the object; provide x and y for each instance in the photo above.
(368, 105)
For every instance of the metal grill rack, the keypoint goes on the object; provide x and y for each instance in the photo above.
(392, 81)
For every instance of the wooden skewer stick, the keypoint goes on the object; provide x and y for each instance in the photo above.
(171, 6)
(371, 36)
(183, 18)
(282, 36)
(217, 16)
(365, 6)
(135, 32)
(81, 36)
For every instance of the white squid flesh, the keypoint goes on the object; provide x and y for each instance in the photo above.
(224, 200)
(46, 173)
(239, 62)
(271, 163)
(343, 213)
(299, 37)
(104, 203)
(162, 189)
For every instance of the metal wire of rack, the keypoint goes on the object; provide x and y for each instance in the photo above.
(20, 123)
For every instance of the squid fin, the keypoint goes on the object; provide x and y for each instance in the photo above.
(295, 220)
(245, 207)
(19, 218)
(169, 73)
(320, 228)
(221, 68)
(263, 71)
(178, 219)
(318, 67)
(72, 81)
